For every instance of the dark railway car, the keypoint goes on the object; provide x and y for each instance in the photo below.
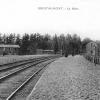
(48, 51)
(41, 51)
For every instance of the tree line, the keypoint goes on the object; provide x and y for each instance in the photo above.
(29, 43)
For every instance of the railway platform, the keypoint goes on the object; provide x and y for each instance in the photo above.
(71, 78)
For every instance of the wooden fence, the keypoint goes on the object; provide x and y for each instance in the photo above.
(93, 59)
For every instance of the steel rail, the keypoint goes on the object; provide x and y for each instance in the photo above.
(10, 63)
(22, 69)
(23, 84)
(20, 64)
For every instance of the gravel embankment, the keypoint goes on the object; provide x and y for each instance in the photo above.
(14, 58)
(71, 78)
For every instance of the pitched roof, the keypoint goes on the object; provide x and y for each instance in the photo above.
(9, 46)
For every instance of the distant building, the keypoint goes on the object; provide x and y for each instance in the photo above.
(9, 49)
(93, 49)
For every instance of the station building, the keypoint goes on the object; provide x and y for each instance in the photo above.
(9, 49)
(93, 49)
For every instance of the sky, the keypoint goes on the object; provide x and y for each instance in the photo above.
(43, 16)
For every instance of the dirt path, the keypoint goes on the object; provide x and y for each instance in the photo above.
(71, 78)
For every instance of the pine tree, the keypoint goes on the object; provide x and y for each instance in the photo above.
(56, 47)
(18, 40)
(25, 44)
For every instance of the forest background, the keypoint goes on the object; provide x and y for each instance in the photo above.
(29, 43)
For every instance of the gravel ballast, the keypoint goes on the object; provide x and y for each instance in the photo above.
(71, 78)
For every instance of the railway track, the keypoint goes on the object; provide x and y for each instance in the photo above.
(19, 93)
(8, 71)
(26, 66)
(18, 63)
(6, 77)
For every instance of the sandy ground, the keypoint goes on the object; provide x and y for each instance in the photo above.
(71, 78)
(14, 58)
